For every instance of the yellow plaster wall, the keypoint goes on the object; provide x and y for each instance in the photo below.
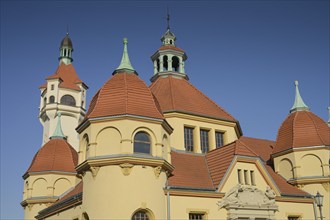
(178, 123)
(306, 162)
(232, 180)
(323, 190)
(286, 209)
(117, 136)
(113, 195)
(181, 206)
(32, 210)
(46, 186)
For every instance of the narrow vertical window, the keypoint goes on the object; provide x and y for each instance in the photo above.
(51, 99)
(252, 178)
(246, 177)
(218, 139)
(239, 176)
(188, 139)
(204, 140)
(52, 87)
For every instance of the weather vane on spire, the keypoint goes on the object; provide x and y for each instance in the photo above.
(168, 19)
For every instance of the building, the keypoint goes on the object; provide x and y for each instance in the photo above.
(167, 151)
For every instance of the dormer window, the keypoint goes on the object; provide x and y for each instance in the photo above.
(142, 143)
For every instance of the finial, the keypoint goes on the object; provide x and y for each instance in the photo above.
(168, 19)
(125, 64)
(58, 133)
(67, 30)
(299, 104)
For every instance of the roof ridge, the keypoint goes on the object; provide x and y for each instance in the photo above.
(248, 148)
(153, 98)
(126, 94)
(171, 90)
(208, 170)
(55, 146)
(293, 130)
(317, 130)
(211, 100)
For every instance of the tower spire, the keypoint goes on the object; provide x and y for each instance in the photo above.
(58, 133)
(168, 19)
(125, 64)
(298, 104)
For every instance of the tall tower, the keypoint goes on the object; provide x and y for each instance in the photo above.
(64, 92)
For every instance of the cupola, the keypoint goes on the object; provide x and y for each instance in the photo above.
(301, 128)
(66, 49)
(169, 59)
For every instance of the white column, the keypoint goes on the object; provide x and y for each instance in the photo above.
(155, 67)
(169, 62)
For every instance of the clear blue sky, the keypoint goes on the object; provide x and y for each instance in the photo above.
(245, 55)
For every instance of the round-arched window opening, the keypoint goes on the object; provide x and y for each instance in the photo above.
(175, 63)
(45, 102)
(51, 99)
(68, 100)
(165, 63)
(142, 143)
(141, 215)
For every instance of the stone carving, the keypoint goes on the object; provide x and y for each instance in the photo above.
(157, 171)
(94, 171)
(126, 168)
(248, 196)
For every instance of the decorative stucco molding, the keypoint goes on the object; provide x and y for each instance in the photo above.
(126, 168)
(157, 171)
(248, 196)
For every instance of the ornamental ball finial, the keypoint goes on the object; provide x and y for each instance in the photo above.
(125, 40)
(296, 82)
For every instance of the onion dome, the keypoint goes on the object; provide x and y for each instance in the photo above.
(301, 128)
(56, 155)
(124, 94)
(66, 42)
(66, 49)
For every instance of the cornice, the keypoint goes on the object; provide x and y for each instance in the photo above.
(309, 180)
(193, 193)
(298, 149)
(124, 159)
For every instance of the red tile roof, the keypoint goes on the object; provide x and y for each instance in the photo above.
(124, 93)
(68, 75)
(207, 171)
(190, 171)
(74, 191)
(174, 94)
(55, 155)
(301, 129)
(170, 47)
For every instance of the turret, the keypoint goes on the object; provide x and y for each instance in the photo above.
(51, 173)
(63, 91)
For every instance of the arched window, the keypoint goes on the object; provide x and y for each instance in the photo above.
(68, 100)
(140, 215)
(165, 63)
(51, 99)
(45, 102)
(175, 63)
(142, 143)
